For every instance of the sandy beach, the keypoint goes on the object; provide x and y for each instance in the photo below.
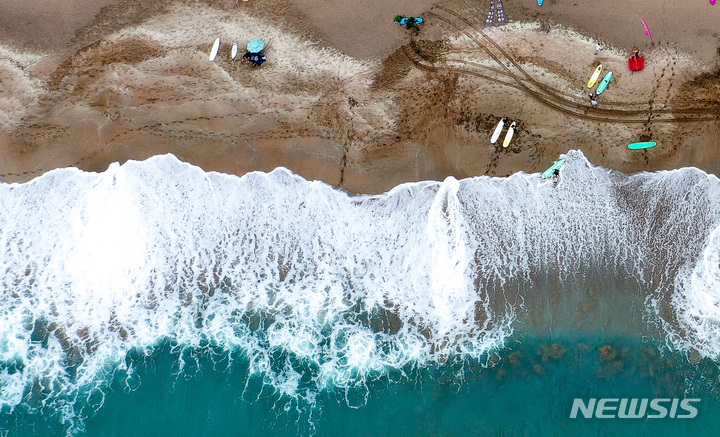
(351, 98)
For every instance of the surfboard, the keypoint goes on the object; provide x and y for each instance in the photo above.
(497, 132)
(645, 145)
(595, 76)
(214, 50)
(603, 85)
(557, 166)
(509, 134)
(234, 50)
(540, 2)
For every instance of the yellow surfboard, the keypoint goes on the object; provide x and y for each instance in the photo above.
(509, 134)
(595, 76)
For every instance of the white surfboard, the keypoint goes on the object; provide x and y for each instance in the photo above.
(497, 132)
(234, 50)
(214, 50)
(509, 135)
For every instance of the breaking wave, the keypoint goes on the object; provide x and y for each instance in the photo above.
(322, 290)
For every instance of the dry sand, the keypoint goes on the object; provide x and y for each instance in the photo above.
(349, 97)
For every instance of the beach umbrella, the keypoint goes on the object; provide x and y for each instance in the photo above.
(647, 31)
(255, 46)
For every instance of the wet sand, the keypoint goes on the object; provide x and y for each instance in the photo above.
(349, 97)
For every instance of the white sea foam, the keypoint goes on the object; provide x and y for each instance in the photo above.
(269, 262)
(698, 302)
(97, 265)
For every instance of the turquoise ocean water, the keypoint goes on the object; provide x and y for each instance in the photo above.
(157, 299)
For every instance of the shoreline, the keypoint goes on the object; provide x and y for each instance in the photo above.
(364, 109)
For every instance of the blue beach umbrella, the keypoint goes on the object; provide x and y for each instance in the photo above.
(255, 46)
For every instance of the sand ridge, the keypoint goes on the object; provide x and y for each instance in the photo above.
(421, 106)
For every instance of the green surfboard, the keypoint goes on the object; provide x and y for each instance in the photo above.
(557, 166)
(603, 85)
(645, 145)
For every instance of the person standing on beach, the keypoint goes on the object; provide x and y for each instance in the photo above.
(593, 102)
(412, 24)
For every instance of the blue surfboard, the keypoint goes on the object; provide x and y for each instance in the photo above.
(557, 166)
(604, 84)
(645, 145)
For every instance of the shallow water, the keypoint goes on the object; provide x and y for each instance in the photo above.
(155, 297)
(529, 392)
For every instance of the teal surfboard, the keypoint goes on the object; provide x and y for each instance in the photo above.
(557, 166)
(645, 145)
(603, 85)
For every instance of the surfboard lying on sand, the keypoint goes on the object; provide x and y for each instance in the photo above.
(214, 50)
(603, 85)
(557, 166)
(497, 132)
(595, 76)
(509, 135)
(645, 145)
(234, 50)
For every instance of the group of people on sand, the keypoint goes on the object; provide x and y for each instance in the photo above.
(254, 59)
